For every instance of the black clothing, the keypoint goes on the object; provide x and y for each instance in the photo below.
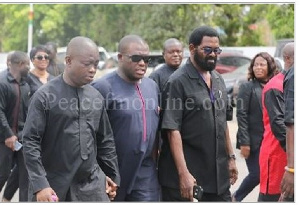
(249, 115)
(201, 119)
(161, 75)
(170, 194)
(12, 184)
(274, 104)
(268, 197)
(55, 68)
(8, 99)
(288, 91)
(12, 119)
(66, 138)
(6, 161)
(35, 83)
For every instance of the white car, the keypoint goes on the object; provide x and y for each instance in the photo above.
(3, 58)
(61, 54)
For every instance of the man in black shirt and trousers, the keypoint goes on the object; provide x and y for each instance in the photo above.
(196, 146)
(14, 100)
(69, 147)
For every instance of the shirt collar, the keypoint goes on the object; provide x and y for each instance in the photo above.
(11, 78)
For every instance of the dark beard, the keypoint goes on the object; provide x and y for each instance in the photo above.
(24, 74)
(202, 63)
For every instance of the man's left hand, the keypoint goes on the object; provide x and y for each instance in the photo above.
(233, 171)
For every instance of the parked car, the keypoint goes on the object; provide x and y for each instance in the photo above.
(111, 62)
(229, 61)
(61, 54)
(3, 65)
(233, 80)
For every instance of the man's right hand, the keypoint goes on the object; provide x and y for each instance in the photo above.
(10, 142)
(187, 182)
(45, 195)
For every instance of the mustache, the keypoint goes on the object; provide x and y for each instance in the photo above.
(211, 58)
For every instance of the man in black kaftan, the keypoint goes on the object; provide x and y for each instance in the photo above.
(69, 147)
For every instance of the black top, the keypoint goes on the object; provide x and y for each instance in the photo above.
(274, 109)
(249, 115)
(55, 68)
(161, 75)
(8, 99)
(288, 91)
(35, 83)
(66, 134)
(201, 120)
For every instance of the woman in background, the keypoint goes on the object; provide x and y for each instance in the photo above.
(39, 75)
(250, 119)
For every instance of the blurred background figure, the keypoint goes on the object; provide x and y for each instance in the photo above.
(287, 183)
(39, 75)
(54, 68)
(250, 119)
(14, 100)
(272, 158)
(12, 183)
(172, 53)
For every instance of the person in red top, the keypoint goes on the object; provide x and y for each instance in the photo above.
(272, 158)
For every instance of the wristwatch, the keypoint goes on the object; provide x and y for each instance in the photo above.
(232, 156)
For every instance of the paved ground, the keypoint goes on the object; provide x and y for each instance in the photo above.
(252, 197)
(241, 164)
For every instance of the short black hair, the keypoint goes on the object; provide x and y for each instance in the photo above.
(18, 57)
(198, 34)
(36, 49)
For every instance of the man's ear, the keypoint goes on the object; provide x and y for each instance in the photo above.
(192, 48)
(68, 60)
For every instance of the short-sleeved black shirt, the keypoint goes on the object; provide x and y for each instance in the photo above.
(288, 91)
(201, 120)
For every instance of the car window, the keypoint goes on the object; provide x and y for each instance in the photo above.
(233, 61)
(156, 60)
(103, 56)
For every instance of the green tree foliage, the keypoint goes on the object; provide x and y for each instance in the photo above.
(106, 24)
(281, 19)
(230, 18)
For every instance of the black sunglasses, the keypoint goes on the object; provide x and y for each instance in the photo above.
(209, 50)
(40, 57)
(138, 58)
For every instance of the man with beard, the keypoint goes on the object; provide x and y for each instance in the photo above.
(196, 146)
(14, 100)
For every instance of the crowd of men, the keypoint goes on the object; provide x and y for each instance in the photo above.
(122, 137)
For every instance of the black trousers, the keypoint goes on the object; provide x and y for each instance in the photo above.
(12, 184)
(170, 194)
(6, 160)
(23, 177)
(268, 197)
